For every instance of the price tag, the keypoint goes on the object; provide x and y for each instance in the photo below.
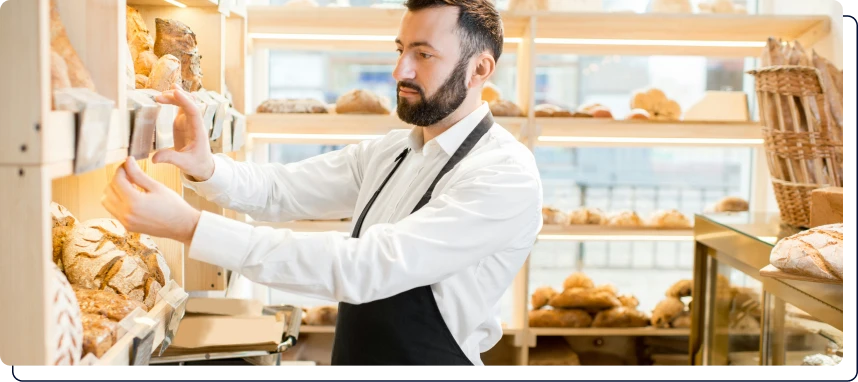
(172, 324)
(141, 349)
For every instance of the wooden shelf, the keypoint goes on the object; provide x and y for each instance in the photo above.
(190, 3)
(311, 329)
(607, 132)
(634, 332)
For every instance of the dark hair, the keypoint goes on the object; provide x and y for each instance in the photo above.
(480, 25)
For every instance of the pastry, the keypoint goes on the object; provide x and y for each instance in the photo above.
(587, 216)
(322, 316)
(607, 288)
(638, 114)
(629, 301)
(577, 280)
(503, 108)
(362, 102)
(549, 110)
(66, 329)
(579, 298)
(101, 254)
(553, 216)
(625, 219)
(167, 71)
(596, 110)
(821, 360)
(728, 204)
(491, 93)
(292, 106)
(621, 317)
(683, 320)
(63, 223)
(140, 81)
(78, 76)
(99, 334)
(541, 296)
(666, 311)
(817, 252)
(172, 37)
(681, 288)
(559, 318)
(656, 103)
(106, 303)
(669, 219)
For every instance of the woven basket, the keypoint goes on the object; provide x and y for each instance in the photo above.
(802, 152)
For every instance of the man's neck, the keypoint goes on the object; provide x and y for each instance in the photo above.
(467, 107)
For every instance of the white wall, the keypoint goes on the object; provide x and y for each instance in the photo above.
(830, 47)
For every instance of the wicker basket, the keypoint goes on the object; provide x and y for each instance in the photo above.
(802, 151)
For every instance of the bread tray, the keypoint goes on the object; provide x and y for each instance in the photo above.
(773, 272)
(290, 339)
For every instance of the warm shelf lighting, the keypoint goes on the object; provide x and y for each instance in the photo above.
(681, 43)
(176, 3)
(314, 137)
(686, 141)
(553, 237)
(338, 37)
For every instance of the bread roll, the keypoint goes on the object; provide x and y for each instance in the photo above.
(63, 223)
(361, 102)
(602, 113)
(541, 296)
(728, 204)
(322, 316)
(553, 216)
(101, 254)
(491, 93)
(621, 317)
(607, 288)
(175, 38)
(140, 81)
(106, 303)
(549, 110)
(579, 298)
(138, 36)
(629, 301)
(292, 106)
(682, 288)
(559, 318)
(581, 114)
(638, 114)
(59, 72)
(144, 63)
(167, 71)
(666, 311)
(656, 103)
(66, 328)
(99, 334)
(817, 252)
(586, 215)
(683, 320)
(78, 75)
(503, 108)
(625, 219)
(578, 280)
(669, 219)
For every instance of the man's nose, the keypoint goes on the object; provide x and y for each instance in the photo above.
(404, 69)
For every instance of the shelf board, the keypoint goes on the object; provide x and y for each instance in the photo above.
(335, 128)
(633, 332)
(312, 329)
(190, 3)
(66, 168)
(608, 132)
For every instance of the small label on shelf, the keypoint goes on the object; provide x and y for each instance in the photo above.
(164, 124)
(141, 349)
(239, 129)
(220, 114)
(144, 116)
(92, 125)
(208, 109)
(177, 298)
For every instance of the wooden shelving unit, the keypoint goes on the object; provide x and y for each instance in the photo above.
(37, 153)
(605, 332)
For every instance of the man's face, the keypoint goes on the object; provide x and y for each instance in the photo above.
(431, 76)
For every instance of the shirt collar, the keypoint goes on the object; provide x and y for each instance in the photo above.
(451, 139)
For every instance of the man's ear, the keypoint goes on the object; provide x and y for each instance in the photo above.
(483, 70)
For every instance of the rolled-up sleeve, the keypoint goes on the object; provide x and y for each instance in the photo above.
(481, 214)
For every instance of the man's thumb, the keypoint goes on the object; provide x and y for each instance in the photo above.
(138, 177)
(170, 156)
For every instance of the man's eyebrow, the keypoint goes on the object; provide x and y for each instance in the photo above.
(417, 43)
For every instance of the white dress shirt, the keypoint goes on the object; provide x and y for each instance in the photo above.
(468, 242)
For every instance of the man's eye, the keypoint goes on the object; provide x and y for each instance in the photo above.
(425, 55)
(399, 51)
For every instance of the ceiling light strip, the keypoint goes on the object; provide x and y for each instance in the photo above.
(176, 3)
(687, 141)
(551, 237)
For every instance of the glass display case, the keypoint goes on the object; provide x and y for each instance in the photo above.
(740, 317)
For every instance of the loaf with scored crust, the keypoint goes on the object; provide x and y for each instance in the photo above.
(817, 252)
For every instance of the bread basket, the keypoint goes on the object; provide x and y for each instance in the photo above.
(802, 151)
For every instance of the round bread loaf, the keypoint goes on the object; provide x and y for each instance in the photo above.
(541, 296)
(586, 215)
(63, 223)
(559, 318)
(625, 219)
(504, 108)
(553, 216)
(728, 204)
(101, 254)
(666, 311)
(578, 280)
(817, 252)
(621, 317)
(669, 219)
(588, 299)
(360, 101)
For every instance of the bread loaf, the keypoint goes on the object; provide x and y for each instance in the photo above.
(541, 296)
(681, 288)
(137, 34)
(683, 320)
(607, 288)
(100, 254)
(78, 76)
(140, 81)
(596, 110)
(669, 219)
(579, 298)
(621, 317)
(322, 316)
(559, 318)
(826, 206)
(578, 280)
(656, 103)
(99, 334)
(490, 93)
(670, 6)
(63, 223)
(106, 303)
(59, 72)
(728, 204)
(145, 62)
(175, 38)
(833, 95)
(625, 219)
(292, 106)
(503, 108)
(817, 252)
(587, 216)
(629, 301)
(362, 102)
(549, 110)
(553, 216)
(167, 71)
(66, 331)
(666, 311)
(638, 114)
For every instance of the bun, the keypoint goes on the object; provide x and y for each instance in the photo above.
(559, 318)
(503, 108)
(625, 219)
(361, 102)
(292, 106)
(817, 252)
(578, 280)
(666, 311)
(579, 298)
(621, 317)
(541, 296)
(553, 216)
(587, 216)
(669, 219)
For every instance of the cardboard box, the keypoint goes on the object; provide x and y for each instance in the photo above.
(214, 325)
(826, 206)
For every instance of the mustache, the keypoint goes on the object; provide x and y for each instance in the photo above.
(411, 86)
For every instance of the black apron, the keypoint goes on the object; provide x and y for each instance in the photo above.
(405, 329)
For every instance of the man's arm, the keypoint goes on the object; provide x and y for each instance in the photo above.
(322, 187)
(485, 212)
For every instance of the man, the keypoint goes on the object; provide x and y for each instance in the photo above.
(444, 214)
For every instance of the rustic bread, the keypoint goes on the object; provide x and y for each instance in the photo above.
(578, 280)
(63, 223)
(607, 288)
(504, 108)
(683, 320)
(66, 331)
(625, 219)
(669, 219)
(166, 72)
(59, 72)
(559, 318)
(79, 77)
(681, 288)
(586, 215)
(629, 301)
(589, 299)
(541, 296)
(99, 334)
(101, 254)
(360, 101)
(322, 315)
(728, 204)
(549, 110)
(666, 311)
(292, 106)
(833, 94)
(621, 317)
(826, 206)
(817, 252)
(106, 303)
(175, 38)
(656, 103)
(552, 215)
(637, 114)
(137, 34)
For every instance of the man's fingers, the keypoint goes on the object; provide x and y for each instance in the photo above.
(138, 177)
(123, 184)
(177, 96)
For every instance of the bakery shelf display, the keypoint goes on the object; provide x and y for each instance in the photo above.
(76, 116)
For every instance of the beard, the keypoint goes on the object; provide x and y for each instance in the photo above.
(427, 112)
